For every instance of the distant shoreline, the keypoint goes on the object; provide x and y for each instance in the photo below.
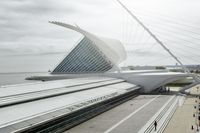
(21, 72)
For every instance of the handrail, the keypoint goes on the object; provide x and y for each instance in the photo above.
(160, 115)
(168, 116)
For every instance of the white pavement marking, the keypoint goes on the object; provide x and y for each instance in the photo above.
(127, 117)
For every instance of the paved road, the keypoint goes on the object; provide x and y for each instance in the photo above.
(129, 117)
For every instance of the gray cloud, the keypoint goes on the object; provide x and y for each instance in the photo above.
(25, 29)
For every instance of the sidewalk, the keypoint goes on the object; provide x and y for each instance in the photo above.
(183, 119)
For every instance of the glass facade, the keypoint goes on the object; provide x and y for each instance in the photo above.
(84, 58)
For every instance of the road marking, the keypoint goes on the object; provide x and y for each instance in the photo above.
(127, 117)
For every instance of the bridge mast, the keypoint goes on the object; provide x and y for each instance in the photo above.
(154, 36)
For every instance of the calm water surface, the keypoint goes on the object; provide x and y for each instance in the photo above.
(17, 78)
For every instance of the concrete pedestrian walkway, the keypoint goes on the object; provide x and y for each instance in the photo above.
(183, 119)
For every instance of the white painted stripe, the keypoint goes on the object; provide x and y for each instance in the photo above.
(130, 115)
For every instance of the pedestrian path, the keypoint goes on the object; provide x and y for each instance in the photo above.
(185, 116)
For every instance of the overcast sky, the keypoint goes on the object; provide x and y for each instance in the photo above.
(29, 43)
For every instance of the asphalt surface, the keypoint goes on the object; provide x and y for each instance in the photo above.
(129, 117)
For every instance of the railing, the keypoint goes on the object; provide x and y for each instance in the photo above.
(168, 116)
(162, 117)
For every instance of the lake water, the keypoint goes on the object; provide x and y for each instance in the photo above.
(17, 78)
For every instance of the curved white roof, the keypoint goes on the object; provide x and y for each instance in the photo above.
(113, 49)
(117, 47)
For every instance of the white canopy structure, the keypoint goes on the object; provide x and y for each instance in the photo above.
(92, 54)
